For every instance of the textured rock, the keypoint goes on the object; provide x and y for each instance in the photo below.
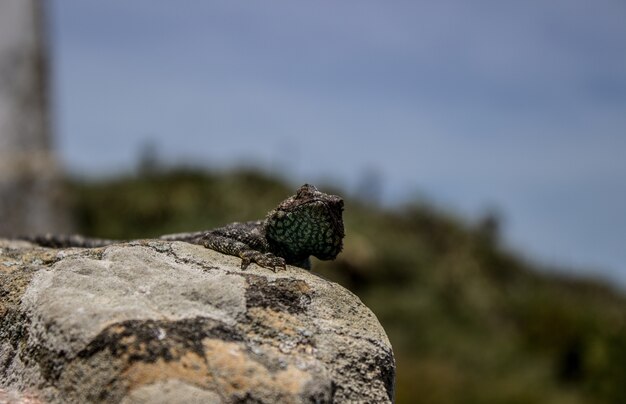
(155, 321)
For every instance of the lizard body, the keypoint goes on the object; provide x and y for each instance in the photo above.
(307, 223)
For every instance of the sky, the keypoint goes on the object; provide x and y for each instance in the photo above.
(514, 106)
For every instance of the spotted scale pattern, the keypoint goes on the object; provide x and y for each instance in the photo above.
(307, 223)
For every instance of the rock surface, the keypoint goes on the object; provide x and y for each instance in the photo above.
(162, 322)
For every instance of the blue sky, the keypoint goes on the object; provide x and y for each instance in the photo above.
(519, 106)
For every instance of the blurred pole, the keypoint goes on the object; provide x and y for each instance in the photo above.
(30, 179)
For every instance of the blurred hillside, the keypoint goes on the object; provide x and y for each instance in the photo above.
(469, 321)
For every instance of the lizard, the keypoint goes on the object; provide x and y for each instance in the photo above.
(307, 223)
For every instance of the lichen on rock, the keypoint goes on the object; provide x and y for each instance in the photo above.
(150, 320)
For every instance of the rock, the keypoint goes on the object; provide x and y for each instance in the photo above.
(162, 322)
(18, 397)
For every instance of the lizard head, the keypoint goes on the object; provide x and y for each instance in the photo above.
(308, 223)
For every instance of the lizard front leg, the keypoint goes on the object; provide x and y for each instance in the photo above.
(230, 246)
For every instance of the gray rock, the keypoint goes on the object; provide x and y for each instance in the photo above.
(157, 321)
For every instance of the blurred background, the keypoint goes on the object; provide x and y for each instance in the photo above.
(480, 147)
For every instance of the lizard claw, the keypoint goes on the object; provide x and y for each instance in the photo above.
(270, 261)
(245, 262)
(267, 260)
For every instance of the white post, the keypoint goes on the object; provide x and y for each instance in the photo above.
(30, 197)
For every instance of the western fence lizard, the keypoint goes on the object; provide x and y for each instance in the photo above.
(307, 223)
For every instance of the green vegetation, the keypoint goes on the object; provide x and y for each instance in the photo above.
(469, 321)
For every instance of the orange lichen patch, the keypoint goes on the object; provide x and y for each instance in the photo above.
(236, 372)
(120, 329)
(15, 260)
(17, 268)
(278, 321)
(45, 257)
(127, 340)
(7, 266)
(19, 397)
(302, 287)
(226, 367)
(13, 283)
(190, 368)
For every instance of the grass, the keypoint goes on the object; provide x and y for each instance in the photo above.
(469, 321)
